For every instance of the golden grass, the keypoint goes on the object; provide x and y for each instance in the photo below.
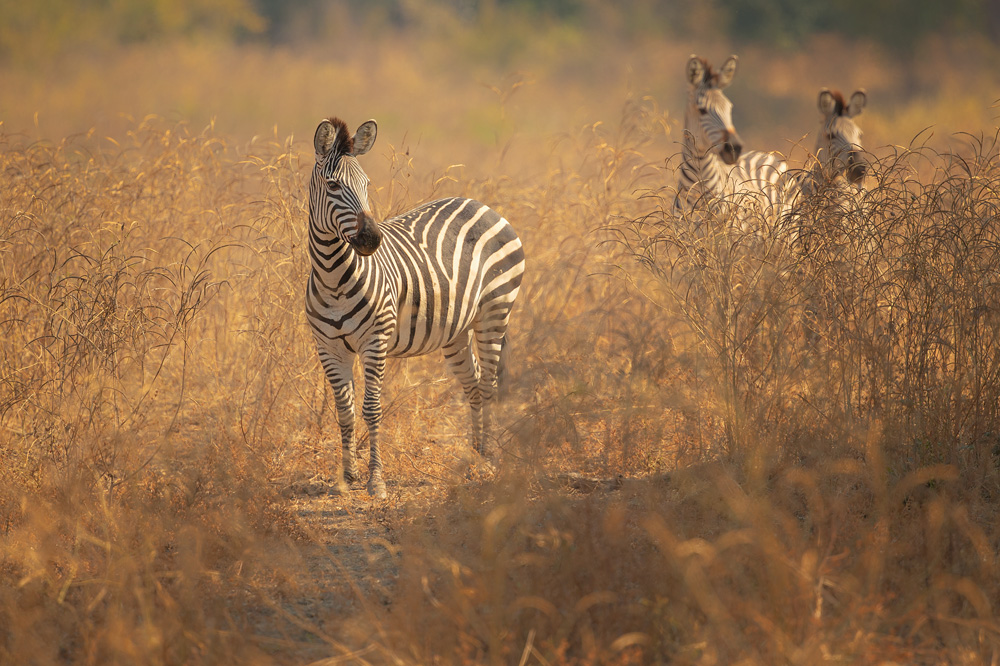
(786, 457)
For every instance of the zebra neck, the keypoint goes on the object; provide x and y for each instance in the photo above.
(334, 262)
(706, 168)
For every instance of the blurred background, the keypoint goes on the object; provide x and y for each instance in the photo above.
(790, 458)
(486, 73)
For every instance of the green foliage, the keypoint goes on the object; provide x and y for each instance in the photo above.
(33, 30)
(900, 26)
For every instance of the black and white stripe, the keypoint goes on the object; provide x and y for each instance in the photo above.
(836, 169)
(442, 276)
(839, 158)
(715, 168)
(711, 144)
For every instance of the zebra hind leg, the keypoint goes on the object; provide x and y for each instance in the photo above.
(491, 352)
(463, 365)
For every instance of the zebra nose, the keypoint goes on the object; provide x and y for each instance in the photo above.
(731, 148)
(856, 167)
(368, 237)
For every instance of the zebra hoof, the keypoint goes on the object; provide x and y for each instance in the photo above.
(340, 488)
(376, 488)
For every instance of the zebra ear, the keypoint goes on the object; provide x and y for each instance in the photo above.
(326, 134)
(364, 138)
(727, 72)
(827, 102)
(857, 103)
(695, 70)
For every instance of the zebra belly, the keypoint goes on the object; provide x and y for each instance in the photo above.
(428, 319)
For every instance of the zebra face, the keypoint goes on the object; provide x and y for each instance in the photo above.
(838, 146)
(710, 113)
(338, 197)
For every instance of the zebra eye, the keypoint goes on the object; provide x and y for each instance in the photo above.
(703, 111)
(333, 185)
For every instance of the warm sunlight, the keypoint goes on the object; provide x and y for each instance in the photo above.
(749, 405)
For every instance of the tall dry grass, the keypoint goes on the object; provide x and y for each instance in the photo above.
(148, 338)
(826, 400)
(718, 447)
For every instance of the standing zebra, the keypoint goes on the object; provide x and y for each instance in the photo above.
(711, 145)
(839, 154)
(837, 166)
(714, 166)
(442, 276)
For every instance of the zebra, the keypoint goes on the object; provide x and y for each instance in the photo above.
(839, 155)
(441, 276)
(711, 145)
(837, 167)
(714, 167)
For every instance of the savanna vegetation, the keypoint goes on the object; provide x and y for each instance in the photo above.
(720, 445)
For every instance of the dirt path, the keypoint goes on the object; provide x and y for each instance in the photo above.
(349, 568)
(352, 557)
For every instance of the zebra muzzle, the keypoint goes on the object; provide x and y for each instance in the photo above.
(368, 238)
(856, 168)
(731, 148)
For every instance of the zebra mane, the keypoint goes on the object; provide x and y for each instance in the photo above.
(710, 74)
(344, 141)
(839, 102)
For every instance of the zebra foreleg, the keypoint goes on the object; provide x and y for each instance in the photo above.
(462, 362)
(339, 374)
(371, 408)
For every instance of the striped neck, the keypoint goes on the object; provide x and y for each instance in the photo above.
(702, 167)
(704, 172)
(334, 261)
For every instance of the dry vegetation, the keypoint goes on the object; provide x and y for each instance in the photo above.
(719, 447)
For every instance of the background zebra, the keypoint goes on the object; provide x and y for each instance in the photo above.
(839, 155)
(442, 276)
(837, 167)
(711, 144)
(714, 167)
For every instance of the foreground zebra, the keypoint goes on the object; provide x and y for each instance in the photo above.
(442, 276)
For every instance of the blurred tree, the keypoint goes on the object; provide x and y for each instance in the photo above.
(40, 29)
(900, 25)
(34, 29)
(140, 20)
(779, 22)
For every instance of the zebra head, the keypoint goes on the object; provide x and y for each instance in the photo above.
(838, 146)
(338, 198)
(709, 122)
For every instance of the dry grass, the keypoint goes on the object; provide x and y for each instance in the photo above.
(787, 456)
